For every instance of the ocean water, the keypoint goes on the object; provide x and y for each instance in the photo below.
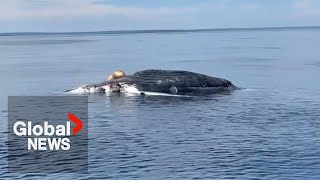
(268, 130)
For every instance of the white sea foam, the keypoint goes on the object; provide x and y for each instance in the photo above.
(130, 90)
(88, 90)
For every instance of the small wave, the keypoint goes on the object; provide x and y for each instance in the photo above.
(194, 60)
(245, 89)
(253, 59)
(245, 38)
(42, 42)
(317, 63)
(270, 47)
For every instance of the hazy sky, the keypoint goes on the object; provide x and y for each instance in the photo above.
(95, 15)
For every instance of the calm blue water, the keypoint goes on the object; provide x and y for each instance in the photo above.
(270, 130)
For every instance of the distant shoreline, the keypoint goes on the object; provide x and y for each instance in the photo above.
(163, 31)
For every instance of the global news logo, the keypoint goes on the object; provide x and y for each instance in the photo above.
(44, 129)
(61, 132)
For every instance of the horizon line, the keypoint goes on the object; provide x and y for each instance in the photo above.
(145, 31)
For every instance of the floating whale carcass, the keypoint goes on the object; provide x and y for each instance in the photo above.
(162, 81)
(172, 82)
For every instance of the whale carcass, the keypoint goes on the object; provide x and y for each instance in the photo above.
(160, 81)
(172, 81)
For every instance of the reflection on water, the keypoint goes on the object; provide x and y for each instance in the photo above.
(269, 130)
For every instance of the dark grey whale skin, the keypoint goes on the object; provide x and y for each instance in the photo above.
(175, 82)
